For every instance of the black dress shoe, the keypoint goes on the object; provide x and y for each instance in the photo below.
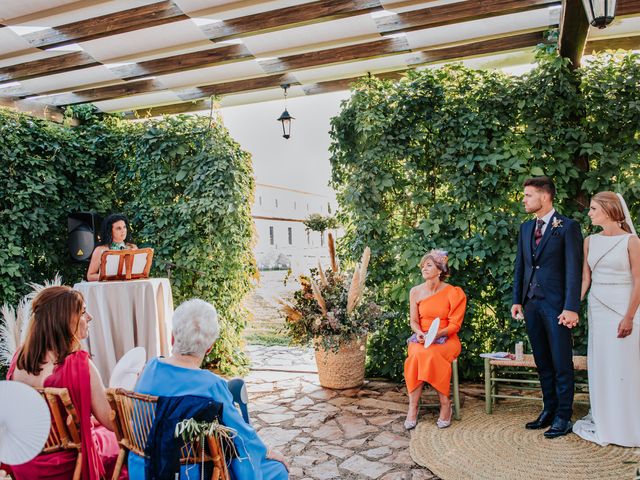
(559, 427)
(544, 420)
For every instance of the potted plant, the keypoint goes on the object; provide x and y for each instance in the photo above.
(335, 311)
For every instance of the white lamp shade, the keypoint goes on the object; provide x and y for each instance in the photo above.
(600, 13)
(25, 423)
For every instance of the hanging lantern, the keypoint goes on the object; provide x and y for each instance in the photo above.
(285, 118)
(600, 13)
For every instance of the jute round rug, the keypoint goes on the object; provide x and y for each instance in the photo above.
(497, 446)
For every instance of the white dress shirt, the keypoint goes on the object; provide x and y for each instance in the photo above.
(547, 219)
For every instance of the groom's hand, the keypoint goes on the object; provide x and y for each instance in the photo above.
(568, 318)
(516, 312)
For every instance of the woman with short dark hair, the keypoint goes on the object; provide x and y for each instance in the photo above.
(115, 234)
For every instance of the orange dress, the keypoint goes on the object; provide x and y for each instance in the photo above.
(433, 364)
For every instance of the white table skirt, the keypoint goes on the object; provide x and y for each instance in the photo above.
(127, 314)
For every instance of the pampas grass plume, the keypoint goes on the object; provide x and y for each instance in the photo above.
(354, 291)
(318, 296)
(289, 310)
(323, 278)
(332, 253)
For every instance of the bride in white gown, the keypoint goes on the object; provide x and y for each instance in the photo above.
(612, 271)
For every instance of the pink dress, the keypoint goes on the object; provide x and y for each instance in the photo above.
(99, 445)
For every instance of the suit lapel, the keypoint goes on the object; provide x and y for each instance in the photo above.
(528, 237)
(547, 234)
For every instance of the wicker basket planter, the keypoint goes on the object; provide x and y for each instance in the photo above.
(344, 368)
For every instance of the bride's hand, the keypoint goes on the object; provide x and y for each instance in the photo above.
(625, 327)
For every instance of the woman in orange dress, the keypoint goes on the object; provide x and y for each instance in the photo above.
(429, 300)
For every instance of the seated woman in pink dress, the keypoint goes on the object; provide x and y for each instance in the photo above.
(51, 357)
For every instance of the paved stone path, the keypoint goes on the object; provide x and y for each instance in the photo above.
(324, 433)
(267, 318)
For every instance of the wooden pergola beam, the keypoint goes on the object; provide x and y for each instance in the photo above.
(105, 93)
(248, 85)
(620, 43)
(455, 13)
(289, 17)
(103, 26)
(384, 47)
(183, 62)
(345, 83)
(47, 66)
(173, 109)
(574, 28)
(484, 47)
(627, 7)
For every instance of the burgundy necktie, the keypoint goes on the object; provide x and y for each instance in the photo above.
(537, 235)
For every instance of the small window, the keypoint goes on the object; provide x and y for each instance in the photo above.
(328, 207)
(308, 237)
(271, 240)
(307, 207)
(276, 203)
(322, 239)
(321, 208)
(295, 205)
(290, 234)
(260, 200)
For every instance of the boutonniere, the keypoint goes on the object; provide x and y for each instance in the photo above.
(556, 223)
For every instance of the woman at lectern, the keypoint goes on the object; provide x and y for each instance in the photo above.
(115, 235)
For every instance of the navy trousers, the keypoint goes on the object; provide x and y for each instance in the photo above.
(552, 351)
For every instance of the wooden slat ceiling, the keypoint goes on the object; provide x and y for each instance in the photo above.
(171, 56)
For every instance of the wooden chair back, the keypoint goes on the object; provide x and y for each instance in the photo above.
(65, 425)
(125, 260)
(134, 414)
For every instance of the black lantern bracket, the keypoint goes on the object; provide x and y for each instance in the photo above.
(285, 117)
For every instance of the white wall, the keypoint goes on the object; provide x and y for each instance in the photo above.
(282, 238)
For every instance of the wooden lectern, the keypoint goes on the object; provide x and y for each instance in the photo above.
(125, 264)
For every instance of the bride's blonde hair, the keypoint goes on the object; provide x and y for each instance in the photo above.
(611, 205)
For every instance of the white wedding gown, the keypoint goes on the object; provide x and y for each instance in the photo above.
(614, 363)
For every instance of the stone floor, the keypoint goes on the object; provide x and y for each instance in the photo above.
(326, 434)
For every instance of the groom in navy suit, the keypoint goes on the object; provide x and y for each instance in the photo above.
(546, 292)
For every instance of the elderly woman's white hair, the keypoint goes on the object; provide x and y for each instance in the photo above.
(195, 327)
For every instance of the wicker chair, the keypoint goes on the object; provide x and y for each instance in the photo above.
(65, 425)
(134, 414)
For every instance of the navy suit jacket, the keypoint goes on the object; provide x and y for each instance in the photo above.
(557, 263)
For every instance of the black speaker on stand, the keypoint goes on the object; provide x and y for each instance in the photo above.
(83, 228)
